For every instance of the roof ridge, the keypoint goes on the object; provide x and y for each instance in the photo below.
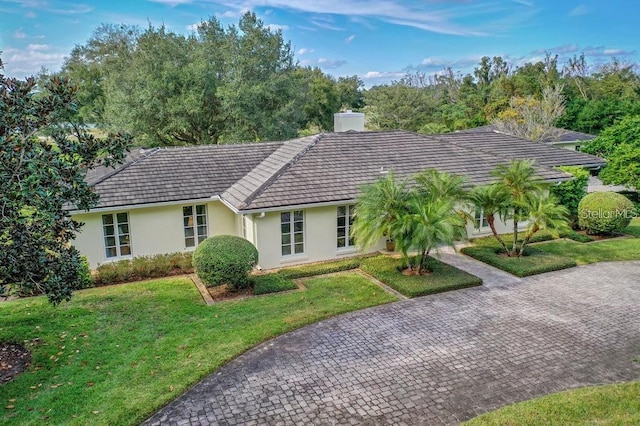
(127, 165)
(219, 145)
(314, 140)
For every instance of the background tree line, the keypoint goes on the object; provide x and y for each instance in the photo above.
(242, 83)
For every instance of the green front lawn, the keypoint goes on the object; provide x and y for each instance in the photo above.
(601, 251)
(535, 262)
(114, 355)
(634, 227)
(601, 405)
(443, 278)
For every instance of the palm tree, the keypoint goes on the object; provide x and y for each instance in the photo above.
(520, 180)
(426, 224)
(544, 213)
(492, 200)
(377, 209)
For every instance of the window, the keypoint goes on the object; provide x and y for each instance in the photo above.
(481, 220)
(292, 231)
(195, 224)
(117, 236)
(345, 221)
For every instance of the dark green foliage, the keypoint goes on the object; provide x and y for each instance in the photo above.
(271, 283)
(570, 193)
(143, 267)
(84, 274)
(576, 236)
(620, 145)
(225, 259)
(533, 262)
(40, 180)
(323, 267)
(605, 212)
(442, 278)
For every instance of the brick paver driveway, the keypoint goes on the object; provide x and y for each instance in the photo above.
(438, 359)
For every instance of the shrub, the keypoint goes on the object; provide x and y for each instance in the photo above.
(533, 262)
(225, 259)
(570, 193)
(443, 278)
(271, 283)
(143, 267)
(84, 272)
(323, 268)
(605, 212)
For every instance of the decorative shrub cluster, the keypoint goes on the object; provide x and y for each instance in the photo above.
(140, 268)
(225, 259)
(605, 212)
(533, 262)
(271, 283)
(324, 267)
(570, 193)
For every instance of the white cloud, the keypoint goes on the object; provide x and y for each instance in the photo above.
(304, 51)
(19, 33)
(172, 3)
(603, 51)
(579, 10)
(330, 63)
(276, 27)
(350, 38)
(563, 49)
(28, 61)
(194, 27)
(379, 75)
(440, 17)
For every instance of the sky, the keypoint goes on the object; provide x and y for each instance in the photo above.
(379, 40)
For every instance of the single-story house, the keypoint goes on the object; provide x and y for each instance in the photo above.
(293, 200)
(562, 138)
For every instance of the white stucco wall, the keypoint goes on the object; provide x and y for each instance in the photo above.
(154, 230)
(320, 239)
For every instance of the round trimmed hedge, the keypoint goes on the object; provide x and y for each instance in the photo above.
(225, 259)
(604, 212)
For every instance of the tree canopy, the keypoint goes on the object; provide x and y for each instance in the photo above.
(41, 178)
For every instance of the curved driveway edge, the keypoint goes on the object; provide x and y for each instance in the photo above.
(438, 359)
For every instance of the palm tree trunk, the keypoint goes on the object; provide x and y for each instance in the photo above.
(423, 259)
(535, 229)
(514, 249)
(491, 220)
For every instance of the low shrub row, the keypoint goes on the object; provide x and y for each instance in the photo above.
(533, 262)
(442, 278)
(538, 237)
(271, 283)
(324, 267)
(144, 267)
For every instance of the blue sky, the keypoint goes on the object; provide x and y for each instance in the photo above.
(380, 40)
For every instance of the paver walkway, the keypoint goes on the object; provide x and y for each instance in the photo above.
(439, 359)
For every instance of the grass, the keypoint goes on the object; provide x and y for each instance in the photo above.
(634, 227)
(600, 405)
(323, 267)
(114, 355)
(271, 283)
(443, 278)
(535, 262)
(601, 251)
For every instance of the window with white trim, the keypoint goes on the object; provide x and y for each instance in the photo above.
(481, 220)
(117, 235)
(344, 224)
(195, 224)
(292, 232)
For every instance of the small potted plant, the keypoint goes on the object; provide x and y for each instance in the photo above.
(391, 245)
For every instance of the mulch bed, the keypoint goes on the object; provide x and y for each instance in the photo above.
(223, 293)
(14, 359)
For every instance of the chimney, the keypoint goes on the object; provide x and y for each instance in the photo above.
(345, 121)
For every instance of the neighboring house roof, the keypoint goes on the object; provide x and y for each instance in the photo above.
(325, 168)
(180, 173)
(562, 135)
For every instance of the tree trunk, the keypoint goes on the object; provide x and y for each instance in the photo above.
(535, 229)
(423, 259)
(491, 219)
(514, 249)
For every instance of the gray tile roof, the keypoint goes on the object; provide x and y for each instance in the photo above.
(175, 174)
(562, 135)
(330, 167)
(335, 166)
(512, 147)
